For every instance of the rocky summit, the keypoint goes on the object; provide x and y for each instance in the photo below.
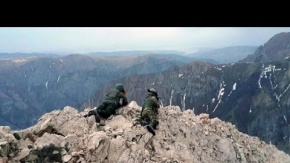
(67, 136)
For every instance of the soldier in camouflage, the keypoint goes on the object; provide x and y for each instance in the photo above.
(114, 100)
(149, 111)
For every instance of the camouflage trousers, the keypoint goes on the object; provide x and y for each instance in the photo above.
(150, 117)
(107, 108)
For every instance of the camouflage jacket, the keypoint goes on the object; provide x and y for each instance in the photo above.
(151, 102)
(118, 97)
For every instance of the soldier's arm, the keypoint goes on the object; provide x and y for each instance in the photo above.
(156, 102)
(125, 102)
(124, 99)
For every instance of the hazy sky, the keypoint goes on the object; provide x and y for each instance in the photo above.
(88, 39)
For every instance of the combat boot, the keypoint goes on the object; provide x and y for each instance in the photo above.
(150, 129)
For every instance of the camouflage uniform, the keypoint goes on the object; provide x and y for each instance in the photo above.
(149, 111)
(115, 99)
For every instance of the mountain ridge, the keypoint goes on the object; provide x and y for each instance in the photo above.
(66, 136)
(275, 49)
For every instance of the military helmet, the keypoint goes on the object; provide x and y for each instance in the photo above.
(153, 90)
(120, 87)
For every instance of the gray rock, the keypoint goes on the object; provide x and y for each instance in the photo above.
(181, 137)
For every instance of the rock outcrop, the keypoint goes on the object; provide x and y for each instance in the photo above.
(67, 136)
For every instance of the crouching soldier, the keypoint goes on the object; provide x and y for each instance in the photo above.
(115, 99)
(149, 112)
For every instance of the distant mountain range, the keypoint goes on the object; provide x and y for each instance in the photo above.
(226, 54)
(135, 53)
(94, 54)
(216, 56)
(25, 55)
